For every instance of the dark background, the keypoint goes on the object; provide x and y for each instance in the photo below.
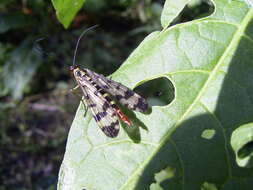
(36, 107)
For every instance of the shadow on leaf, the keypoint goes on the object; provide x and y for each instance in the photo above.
(197, 160)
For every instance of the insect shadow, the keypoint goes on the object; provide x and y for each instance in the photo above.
(134, 131)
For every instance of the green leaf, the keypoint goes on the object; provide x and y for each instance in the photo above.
(66, 10)
(20, 68)
(209, 61)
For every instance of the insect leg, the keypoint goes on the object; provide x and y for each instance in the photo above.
(73, 90)
(85, 107)
(85, 97)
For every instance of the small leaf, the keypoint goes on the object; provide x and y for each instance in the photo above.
(19, 69)
(241, 142)
(66, 10)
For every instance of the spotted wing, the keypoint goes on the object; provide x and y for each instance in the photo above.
(123, 95)
(103, 113)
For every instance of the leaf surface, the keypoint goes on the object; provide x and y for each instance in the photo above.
(171, 10)
(66, 10)
(186, 144)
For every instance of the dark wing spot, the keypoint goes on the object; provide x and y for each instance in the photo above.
(92, 105)
(118, 97)
(84, 78)
(113, 105)
(111, 130)
(108, 99)
(93, 83)
(95, 117)
(99, 115)
(106, 95)
(105, 87)
(118, 87)
(86, 96)
(105, 106)
(141, 105)
(128, 94)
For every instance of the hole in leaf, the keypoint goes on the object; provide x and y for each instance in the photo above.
(208, 186)
(242, 144)
(164, 174)
(246, 150)
(157, 92)
(195, 10)
(208, 134)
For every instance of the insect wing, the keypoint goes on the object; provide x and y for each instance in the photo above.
(123, 94)
(103, 113)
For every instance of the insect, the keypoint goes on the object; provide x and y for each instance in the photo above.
(99, 94)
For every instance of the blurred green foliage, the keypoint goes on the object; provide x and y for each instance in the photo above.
(36, 108)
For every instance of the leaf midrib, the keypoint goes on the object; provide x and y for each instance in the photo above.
(236, 37)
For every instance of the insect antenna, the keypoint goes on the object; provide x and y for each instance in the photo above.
(80, 37)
